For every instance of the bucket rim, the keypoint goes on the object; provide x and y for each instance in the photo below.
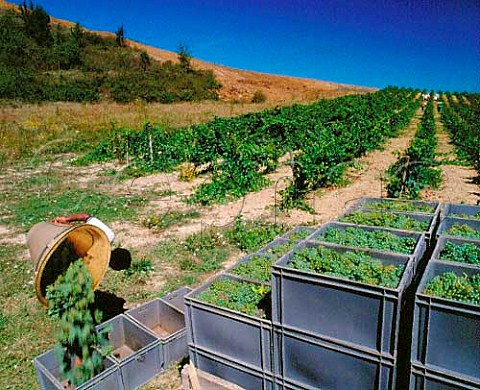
(55, 243)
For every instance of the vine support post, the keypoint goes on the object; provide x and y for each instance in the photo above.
(275, 196)
(150, 145)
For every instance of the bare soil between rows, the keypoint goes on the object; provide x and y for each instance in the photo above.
(460, 184)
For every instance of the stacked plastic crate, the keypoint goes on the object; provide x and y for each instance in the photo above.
(406, 215)
(332, 332)
(145, 341)
(325, 331)
(235, 342)
(446, 331)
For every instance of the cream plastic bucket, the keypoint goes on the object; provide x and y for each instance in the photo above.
(89, 242)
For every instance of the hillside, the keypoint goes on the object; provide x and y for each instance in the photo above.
(240, 85)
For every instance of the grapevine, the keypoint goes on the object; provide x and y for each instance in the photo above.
(416, 170)
(395, 205)
(238, 152)
(69, 302)
(299, 235)
(466, 216)
(279, 250)
(463, 123)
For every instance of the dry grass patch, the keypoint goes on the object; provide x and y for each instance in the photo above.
(30, 129)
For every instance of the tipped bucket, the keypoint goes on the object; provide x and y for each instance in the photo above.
(54, 246)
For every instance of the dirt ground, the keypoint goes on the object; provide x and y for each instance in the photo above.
(459, 184)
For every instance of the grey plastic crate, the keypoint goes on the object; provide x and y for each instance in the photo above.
(442, 240)
(175, 298)
(419, 238)
(356, 314)
(49, 377)
(269, 256)
(247, 259)
(304, 230)
(422, 378)
(309, 363)
(461, 211)
(168, 324)
(448, 222)
(135, 349)
(392, 204)
(237, 336)
(432, 220)
(270, 248)
(231, 370)
(446, 332)
(264, 251)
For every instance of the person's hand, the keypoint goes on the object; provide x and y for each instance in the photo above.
(61, 220)
(79, 217)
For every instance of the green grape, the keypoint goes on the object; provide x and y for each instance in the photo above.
(351, 265)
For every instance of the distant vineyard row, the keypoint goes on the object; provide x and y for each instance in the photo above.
(322, 139)
(415, 169)
(461, 118)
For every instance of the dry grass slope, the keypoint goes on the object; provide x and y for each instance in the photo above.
(240, 85)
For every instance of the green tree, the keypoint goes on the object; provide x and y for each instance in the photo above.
(122, 75)
(65, 51)
(120, 37)
(16, 49)
(16, 83)
(18, 56)
(78, 34)
(37, 24)
(68, 54)
(184, 57)
(145, 60)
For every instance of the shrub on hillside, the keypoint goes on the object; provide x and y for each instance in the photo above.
(34, 57)
(70, 87)
(258, 97)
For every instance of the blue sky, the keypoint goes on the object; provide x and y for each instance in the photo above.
(432, 44)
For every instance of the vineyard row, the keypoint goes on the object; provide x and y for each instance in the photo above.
(322, 139)
(462, 120)
(415, 169)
